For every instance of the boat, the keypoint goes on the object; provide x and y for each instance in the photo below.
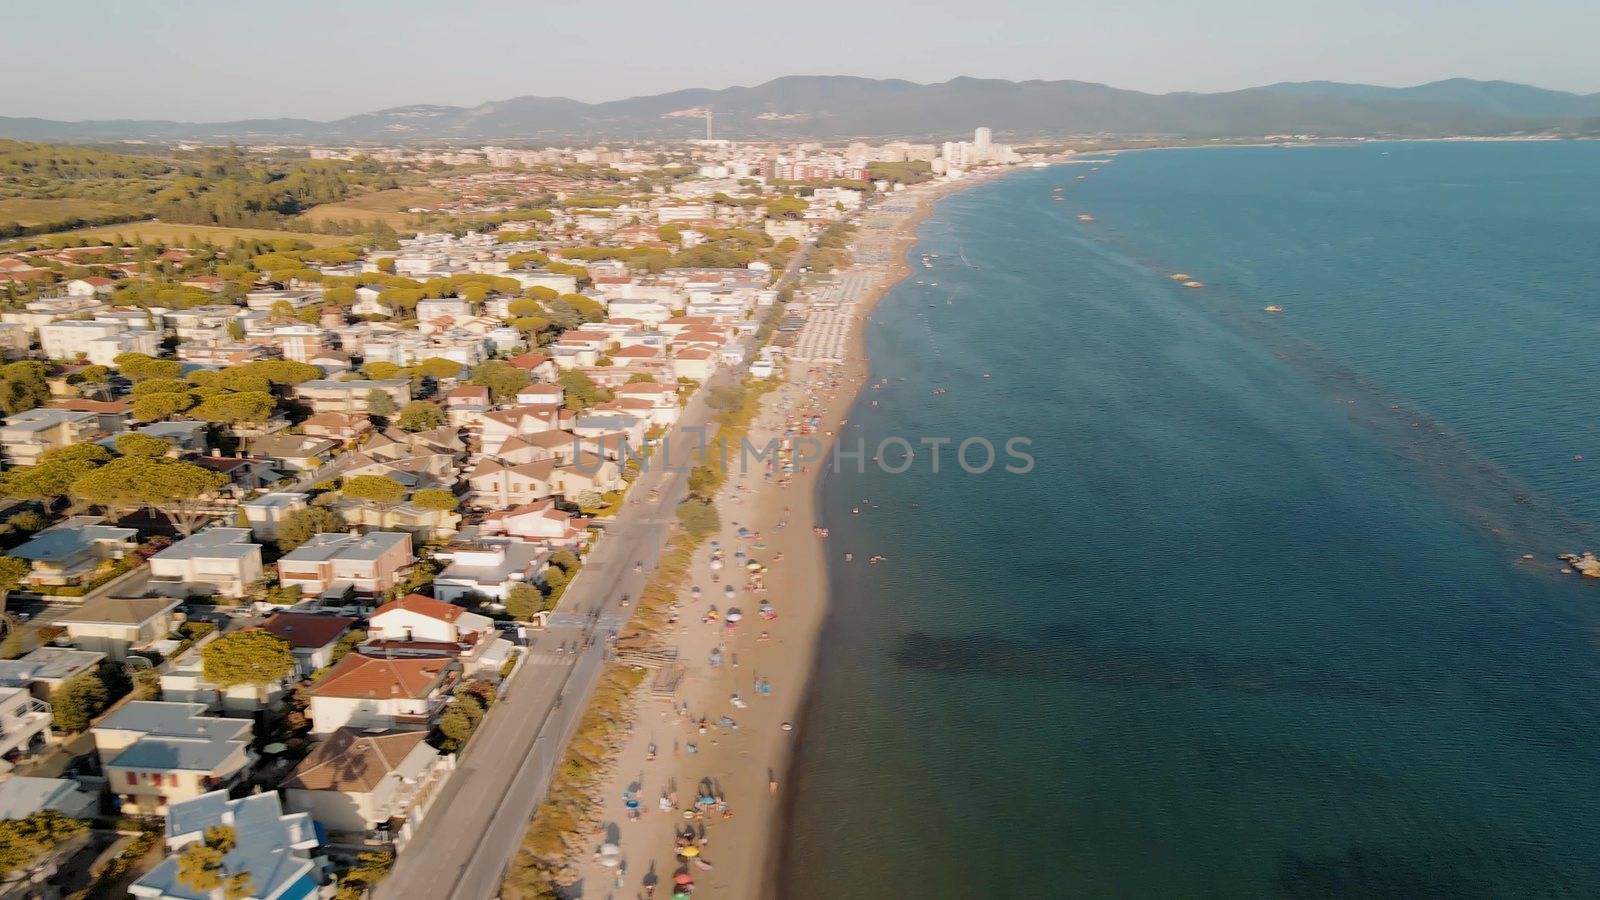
(1181, 276)
(1085, 217)
(1273, 309)
(1193, 284)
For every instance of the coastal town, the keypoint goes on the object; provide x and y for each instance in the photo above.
(368, 560)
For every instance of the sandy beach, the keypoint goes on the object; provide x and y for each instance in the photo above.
(712, 760)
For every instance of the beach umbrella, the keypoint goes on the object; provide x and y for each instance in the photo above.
(753, 566)
(727, 590)
(694, 591)
(716, 565)
(610, 862)
(689, 852)
(683, 878)
(734, 615)
(680, 895)
(631, 803)
(609, 850)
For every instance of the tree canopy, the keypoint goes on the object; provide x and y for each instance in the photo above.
(25, 842)
(420, 415)
(246, 657)
(375, 488)
(300, 525)
(172, 486)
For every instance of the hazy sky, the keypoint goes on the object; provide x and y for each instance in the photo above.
(221, 59)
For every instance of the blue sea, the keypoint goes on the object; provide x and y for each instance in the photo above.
(1258, 622)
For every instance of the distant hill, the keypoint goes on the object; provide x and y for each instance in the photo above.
(842, 106)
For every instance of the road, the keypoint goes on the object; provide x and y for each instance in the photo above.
(475, 826)
(473, 830)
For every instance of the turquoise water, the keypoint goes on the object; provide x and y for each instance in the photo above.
(1257, 624)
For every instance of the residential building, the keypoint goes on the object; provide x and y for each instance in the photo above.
(24, 723)
(367, 782)
(294, 452)
(43, 670)
(98, 342)
(275, 848)
(540, 522)
(335, 563)
(217, 560)
(266, 512)
(30, 434)
(115, 625)
(351, 396)
(423, 626)
(74, 551)
(312, 636)
(488, 568)
(155, 753)
(363, 691)
(21, 796)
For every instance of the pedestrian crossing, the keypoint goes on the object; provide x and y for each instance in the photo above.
(551, 658)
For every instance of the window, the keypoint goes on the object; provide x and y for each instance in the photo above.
(133, 777)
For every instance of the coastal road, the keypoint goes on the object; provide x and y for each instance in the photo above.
(475, 825)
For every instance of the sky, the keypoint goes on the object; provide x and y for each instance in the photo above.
(221, 60)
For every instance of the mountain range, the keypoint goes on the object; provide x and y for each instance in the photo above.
(833, 107)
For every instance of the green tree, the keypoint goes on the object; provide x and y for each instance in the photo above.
(420, 415)
(523, 601)
(55, 473)
(141, 366)
(246, 657)
(698, 517)
(579, 390)
(161, 406)
(12, 571)
(435, 498)
(376, 488)
(178, 489)
(299, 526)
(232, 409)
(501, 378)
(382, 371)
(136, 444)
(25, 842)
(74, 704)
(380, 403)
(153, 386)
(23, 386)
(438, 367)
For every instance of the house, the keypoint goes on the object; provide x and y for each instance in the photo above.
(22, 796)
(421, 625)
(294, 452)
(694, 363)
(540, 522)
(74, 551)
(494, 428)
(361, 781)
(663, 399)
(115, 625)
(98, 342)
(273, 847)
(156, 753)
(245, 474)
(266, 512)
(382, 692)
(44, 670)
(342, 427)
(538, 365)
(264, 301)
(588, 473)
(334, 563)
(312, 636)
(323, 395)
(115, 415)
(215, 561)
(181, 435)
(496, 485)
(422, 522)
(24, 723)
(488, 567)
(541, 395)
(28, 435)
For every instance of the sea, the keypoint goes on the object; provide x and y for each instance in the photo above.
(1276, 610)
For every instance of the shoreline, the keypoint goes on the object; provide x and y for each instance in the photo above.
(749, 764)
